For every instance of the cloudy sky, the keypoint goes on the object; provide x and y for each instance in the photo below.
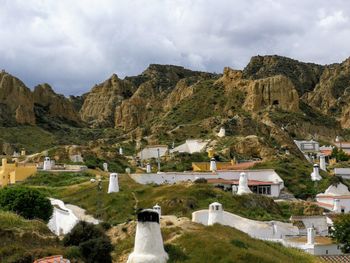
(74, 44)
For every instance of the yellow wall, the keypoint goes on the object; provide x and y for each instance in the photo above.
(13, 172)
(205, 166)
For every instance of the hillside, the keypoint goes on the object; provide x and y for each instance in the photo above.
(181, 236)
(25, 240)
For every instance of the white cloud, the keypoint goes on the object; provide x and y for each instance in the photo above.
(75, 44)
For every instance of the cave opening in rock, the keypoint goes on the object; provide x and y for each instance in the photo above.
(275, 102)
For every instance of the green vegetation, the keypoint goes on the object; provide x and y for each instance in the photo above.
(27, 202)
(339, 155)
(182, 161)
(23, 241)
(57, 179)
(92, 242)
(32, 138)
(296, 176)
(225, 244)
(179, 199)
(341, 231)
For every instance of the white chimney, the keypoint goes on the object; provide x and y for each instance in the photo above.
(158, 209)
(120, 150)
(148, 246)
(243, 185)
(315, 175)
(47, 164)
(222, 132)
(310, 236)
(215, 214)
(323, 162)
(148, 168)
(234, 189)
(113, 186)
(105, 167)
(336, 206)
(212, 165)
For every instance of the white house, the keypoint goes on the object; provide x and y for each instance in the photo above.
(152, 151)
(307, 146)
(266, 230)
(63, 218)
(315, 245)
(265, 181)
(191, 146)
(336, 198)
(318, 222)
(342, 172)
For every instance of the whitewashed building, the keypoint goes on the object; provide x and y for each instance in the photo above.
(342, 172)
(152, 151)
(335, 198)
(63, 218)
(191, 146)
(307, 146)
(265, 181)
(266, 230)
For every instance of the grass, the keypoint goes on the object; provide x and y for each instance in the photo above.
(32, 138)
(179, 199)
(225, 244)
(25, 240)
(57, 179)
(296, 176)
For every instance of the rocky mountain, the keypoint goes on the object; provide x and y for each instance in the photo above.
(48, 104)
(16, 101)
(20, 106)
(273, 98)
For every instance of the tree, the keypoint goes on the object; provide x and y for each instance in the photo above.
(27, 202)
(341, 231)
(93, 243)
(339, 155)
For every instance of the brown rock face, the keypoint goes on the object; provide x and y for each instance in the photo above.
(55, 104)
(331, 95)
(99, 105)
(275, 91)
(16, 101)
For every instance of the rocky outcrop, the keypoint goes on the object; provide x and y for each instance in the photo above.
(332, 94)
(54, 105)
(16, 101)
(304, 76)
(275, 91)
(100, 103)
(256, 95)
(253, 146)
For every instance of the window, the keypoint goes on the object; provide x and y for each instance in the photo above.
(343, 210)
(326, 252)
(217, 207)
(262, 189)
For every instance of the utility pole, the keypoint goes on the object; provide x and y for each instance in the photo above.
(158, 160)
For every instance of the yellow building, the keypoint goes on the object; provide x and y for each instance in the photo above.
(10, 173)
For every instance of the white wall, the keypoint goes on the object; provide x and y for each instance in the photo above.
(267, 175)
(256, 229)
(152, 152)
(62, 220)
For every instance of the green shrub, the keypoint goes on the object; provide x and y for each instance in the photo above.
(94, 245)
(27, 202)
(175, 253)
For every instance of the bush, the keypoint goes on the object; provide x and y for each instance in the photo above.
(175, 253)
(97, 250)
(341, 231)
(27, 202)
(94, 245)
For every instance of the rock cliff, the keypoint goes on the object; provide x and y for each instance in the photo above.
(55, 105)
(16, 101)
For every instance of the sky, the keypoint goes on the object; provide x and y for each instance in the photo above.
(73, 45)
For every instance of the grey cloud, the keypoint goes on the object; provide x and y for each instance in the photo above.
(75, 44)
